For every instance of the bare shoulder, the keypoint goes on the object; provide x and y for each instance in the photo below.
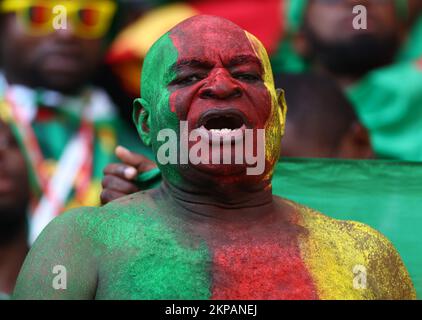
(348, 247)
(81, 240)
(62, 247)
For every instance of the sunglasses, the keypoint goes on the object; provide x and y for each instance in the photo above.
(88, 19)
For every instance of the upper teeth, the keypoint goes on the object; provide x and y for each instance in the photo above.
(224, 130)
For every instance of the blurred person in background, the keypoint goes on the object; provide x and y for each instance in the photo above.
(321, 122)
(14, 201)
(329, 40)
(68, 127)
(294, 51)
(376, 67)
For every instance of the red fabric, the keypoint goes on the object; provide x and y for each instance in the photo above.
(262, 18)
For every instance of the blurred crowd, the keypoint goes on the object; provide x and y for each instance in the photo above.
(66, 92)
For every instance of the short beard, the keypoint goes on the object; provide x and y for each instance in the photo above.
(355, 56)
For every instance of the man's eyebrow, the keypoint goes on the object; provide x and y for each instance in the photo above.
(196, 63)
(243, 59)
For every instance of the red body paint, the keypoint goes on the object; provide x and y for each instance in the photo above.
(260, 271)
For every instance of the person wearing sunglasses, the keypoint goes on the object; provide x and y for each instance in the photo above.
(50, 52)
(53, 44)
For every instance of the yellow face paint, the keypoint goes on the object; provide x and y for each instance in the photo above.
(276, 121)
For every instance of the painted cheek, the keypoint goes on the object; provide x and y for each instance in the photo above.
(261, 99)
(182, 99)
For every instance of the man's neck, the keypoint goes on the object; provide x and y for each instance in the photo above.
(237, 205)
(12, 255)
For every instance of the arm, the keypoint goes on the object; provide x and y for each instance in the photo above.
(61, 264)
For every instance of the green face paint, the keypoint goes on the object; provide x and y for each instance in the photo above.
(155, 97)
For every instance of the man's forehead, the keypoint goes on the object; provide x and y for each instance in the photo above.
(210, 38)
(228, 60)
(201, 41)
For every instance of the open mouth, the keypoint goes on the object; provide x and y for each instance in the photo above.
(227, 122)
(223, 123)
(230, 119)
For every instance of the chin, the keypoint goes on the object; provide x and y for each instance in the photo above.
(221, 170)
(223, 176)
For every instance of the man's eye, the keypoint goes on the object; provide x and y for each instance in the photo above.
(248, 77)
(188, 80)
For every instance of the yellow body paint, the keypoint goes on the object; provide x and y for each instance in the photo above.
(350, 260)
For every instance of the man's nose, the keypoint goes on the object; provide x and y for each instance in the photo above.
(221, 86)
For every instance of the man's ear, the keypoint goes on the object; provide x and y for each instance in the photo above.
(141, 117)
(356, 144)
(281, 100)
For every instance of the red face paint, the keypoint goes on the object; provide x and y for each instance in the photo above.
(217, 74)
(219, 81)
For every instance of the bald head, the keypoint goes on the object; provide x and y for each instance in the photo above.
(210, 73)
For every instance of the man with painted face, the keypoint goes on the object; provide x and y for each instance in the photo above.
(210, 231)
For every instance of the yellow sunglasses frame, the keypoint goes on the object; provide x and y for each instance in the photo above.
(107, 8)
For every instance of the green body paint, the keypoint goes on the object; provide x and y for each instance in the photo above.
(134, 248)
(143, 257)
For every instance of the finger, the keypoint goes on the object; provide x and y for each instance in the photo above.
(136, 160)
(118, 184)
(121, 170)
(110, 195)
